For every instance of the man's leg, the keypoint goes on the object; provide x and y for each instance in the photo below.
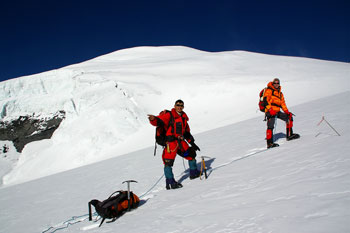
(168, 160)
(190, 154)
(269, 132)
(289, 126)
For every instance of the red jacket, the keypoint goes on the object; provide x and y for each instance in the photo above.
(179, 127)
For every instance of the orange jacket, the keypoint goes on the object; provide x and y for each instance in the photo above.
(275, 99)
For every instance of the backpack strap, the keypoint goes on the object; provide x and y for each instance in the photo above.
(120, 191)
(272, 90)
(90, 215)
(133, 200)
(171, 124)
(123, 194)
(171, 121)
(102, 222)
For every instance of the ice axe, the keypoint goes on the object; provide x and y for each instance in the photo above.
(203, 168)
(129, 181)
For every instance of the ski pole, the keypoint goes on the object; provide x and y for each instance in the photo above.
(324, 119)
(129, 181)
(155, 148)
(155, 145)
(90, 215)
(183, 162)
(275, 126)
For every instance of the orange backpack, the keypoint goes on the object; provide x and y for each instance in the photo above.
(115, 205)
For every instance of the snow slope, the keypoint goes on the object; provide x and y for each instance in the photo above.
(303, 186)
(107, 99)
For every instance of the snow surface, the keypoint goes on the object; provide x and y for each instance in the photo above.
(301, 186)
(107, 99)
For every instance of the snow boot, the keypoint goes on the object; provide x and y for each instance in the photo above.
(291, 135)
(194, 173)
(269, 139)
(271, 145)
(169, 179)
(172, 184)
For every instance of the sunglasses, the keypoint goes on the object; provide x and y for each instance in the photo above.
(180, 105)
(276, 83)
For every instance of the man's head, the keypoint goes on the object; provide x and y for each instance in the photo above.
(276, 83)
(179, 105)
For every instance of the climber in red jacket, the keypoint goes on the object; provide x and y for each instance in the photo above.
(177, 137)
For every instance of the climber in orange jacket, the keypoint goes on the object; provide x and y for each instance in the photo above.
(275, 101)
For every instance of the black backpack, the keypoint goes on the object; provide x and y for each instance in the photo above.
(115, 205)
(162, 129)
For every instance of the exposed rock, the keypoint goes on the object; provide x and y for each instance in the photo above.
(28, 128)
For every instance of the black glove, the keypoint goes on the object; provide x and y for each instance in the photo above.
(194, 146)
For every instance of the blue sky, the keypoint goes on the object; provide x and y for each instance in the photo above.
(37, 36)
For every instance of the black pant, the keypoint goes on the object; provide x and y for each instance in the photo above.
(271, 125)
(271, 119)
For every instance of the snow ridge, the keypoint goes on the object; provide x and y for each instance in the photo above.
(301, 186)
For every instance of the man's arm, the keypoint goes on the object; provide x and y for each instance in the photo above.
(188, 136)
(153, 120)
(283, 104)
(159, 120)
